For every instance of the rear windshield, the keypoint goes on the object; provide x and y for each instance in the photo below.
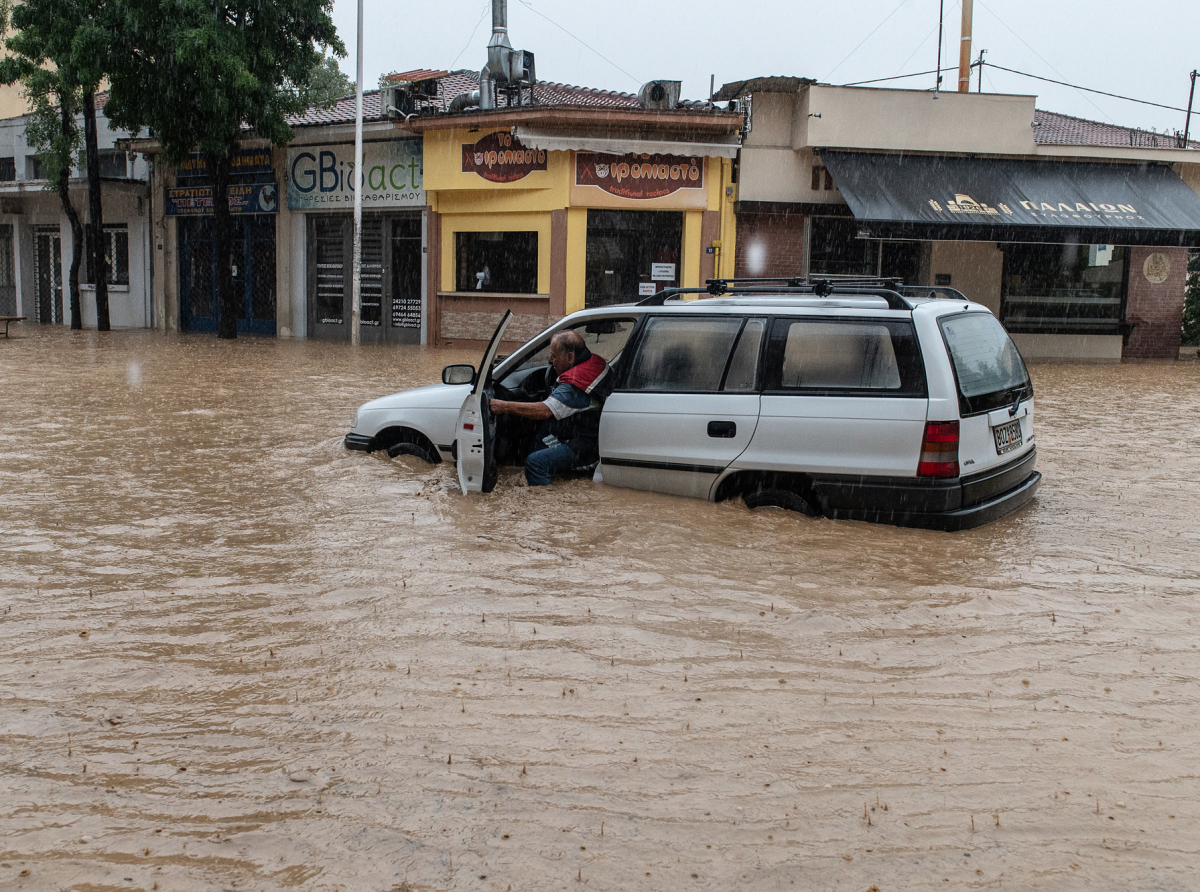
(987, 365)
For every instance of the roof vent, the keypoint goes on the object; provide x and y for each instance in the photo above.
(659, 94)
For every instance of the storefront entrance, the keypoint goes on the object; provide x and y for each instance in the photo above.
(629, 253)
(253, 269)
(391, 278)
(48, 273)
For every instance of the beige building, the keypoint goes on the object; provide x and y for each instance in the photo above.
(1074, 233)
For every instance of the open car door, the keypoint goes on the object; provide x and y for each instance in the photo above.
(476, 429)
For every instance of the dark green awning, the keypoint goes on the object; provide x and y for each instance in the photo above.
(985, 199)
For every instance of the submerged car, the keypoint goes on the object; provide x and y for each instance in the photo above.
(864, 400)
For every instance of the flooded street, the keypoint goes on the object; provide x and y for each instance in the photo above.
(237, 656)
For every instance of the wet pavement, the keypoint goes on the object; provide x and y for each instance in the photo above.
(237, 656)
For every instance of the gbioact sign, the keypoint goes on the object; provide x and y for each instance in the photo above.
(322, 177)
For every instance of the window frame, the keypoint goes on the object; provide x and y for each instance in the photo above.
(109, 233)
(461, 234)
(917, 387)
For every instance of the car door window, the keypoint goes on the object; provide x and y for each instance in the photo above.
(683, 354)
(604, 337)
(743, 367)
(867, 356)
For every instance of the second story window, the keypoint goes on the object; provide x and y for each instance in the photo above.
(8, 170)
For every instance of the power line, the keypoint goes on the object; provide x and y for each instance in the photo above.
(864, 40)
(1040, 56)
(529, 6)
(900, 77)
(486, 6)
(1086, 89)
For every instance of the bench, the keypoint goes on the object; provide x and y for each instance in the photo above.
(8, 319)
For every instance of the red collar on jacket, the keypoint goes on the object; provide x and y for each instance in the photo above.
(586, 374)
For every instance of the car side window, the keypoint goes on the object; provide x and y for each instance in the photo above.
(682, 354)
(743, 367)
(604, 337)
(845, 356)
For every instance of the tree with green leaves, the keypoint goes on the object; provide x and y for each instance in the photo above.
(327, 84)
(72, 38)
(52, 130)
(203, 75)
(1191, 302)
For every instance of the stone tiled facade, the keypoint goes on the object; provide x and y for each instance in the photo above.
(1155, 309)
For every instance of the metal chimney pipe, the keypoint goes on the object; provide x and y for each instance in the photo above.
(964, 50)
(499, 24)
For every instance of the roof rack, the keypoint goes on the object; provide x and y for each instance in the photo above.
(887, 289)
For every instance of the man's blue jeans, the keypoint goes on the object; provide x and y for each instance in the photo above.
(540, 466)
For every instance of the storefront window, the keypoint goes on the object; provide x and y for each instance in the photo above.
(499, 262)
(836, 250)
(1063, 288)
(629, 252)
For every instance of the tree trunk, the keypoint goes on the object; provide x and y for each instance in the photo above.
(227, 299)
(96, 223)
(76, 227)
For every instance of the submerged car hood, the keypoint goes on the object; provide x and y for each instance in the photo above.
(433, 396)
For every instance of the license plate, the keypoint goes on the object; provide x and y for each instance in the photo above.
(1008, 436)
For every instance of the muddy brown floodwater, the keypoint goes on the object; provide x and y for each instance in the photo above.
(236, 656)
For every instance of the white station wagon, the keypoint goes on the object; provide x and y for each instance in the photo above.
(865, 400)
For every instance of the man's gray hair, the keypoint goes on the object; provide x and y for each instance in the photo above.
(569, 342)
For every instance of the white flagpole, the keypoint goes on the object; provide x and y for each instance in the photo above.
(356, 284)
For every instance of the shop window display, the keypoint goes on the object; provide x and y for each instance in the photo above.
(497, 262)
(1064, 289)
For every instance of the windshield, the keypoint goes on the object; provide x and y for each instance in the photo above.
(987, 366)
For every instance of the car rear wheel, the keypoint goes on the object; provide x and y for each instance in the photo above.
(780, 498)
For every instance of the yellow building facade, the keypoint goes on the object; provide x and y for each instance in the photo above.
(513, 224)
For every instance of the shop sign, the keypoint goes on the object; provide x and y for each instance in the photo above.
(244, 198)
(322, 177)
(647, 289)
(1156, 268)
(638, 176)
(249, 161)
(501, 158)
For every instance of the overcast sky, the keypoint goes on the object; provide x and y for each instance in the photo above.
(1139, 48)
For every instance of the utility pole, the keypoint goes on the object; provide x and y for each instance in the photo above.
(358, 179)
(1188, 123)
(937, 82)
(964, 48)
(980, 64)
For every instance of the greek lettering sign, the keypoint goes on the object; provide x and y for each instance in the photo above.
(1156, 268)
(249, 161)
(638, 176)
(322, 177)
(501, 158)
(244, 198)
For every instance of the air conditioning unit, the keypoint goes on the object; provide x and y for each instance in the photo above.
(659, 94)
(407, 97)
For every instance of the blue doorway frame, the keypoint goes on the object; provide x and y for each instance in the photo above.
(253, 268)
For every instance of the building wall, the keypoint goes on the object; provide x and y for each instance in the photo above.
(769, 244)
(1155, 309)
(975, 269)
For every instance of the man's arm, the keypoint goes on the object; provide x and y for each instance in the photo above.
(536, 411)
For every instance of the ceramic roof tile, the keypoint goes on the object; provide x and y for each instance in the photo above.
(1063, 130)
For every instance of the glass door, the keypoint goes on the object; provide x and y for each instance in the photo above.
(48, 274)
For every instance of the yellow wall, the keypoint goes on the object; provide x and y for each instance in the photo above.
(469, 203)
(576, 258)
(452, 223)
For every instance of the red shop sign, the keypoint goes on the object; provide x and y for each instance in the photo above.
(639, 176)
(500, 158)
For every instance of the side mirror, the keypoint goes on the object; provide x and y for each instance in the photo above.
(459, 373)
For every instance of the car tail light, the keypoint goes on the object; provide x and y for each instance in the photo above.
(939, 450)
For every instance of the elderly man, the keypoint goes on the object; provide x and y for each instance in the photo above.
(569, 434)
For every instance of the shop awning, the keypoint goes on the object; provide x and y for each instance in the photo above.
(982, 199)
(725, 146)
